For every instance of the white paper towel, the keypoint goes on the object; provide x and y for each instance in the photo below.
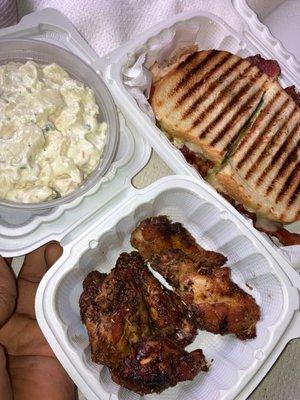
(106, 24)
(8, 13)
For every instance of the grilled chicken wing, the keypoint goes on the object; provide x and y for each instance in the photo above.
(114, 312)
(169, 316)
(218, 304)
(122, 311)
(156, 364)
(156, 234)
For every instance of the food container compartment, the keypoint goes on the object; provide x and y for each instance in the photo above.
(27, 227)
(23, 231)
(253, 268)
(22, 50)
(267, 22)
(130, 84)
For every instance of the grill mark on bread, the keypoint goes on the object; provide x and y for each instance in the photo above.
(243, 90)
(279, 153)
(260, 118)
(189, 74)
(273, 128)
(272, 142)
(190, 91)
(294, 195)
(189, 59)
(292, 156)
(276, 117)
(293, 175)
(256, 96)
(210, 88)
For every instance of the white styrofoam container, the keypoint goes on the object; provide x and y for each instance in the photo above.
(238, 366)
(22, 231)
(94, 231)
(272, 23)
(214, 33)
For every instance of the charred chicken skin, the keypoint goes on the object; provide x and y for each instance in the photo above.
(114, 313)
(217, 303)
(156, 364)
(126, 308)
(169, 316)
(154, 235)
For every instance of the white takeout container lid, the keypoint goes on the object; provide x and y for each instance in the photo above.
(277, 30)
(78, 225)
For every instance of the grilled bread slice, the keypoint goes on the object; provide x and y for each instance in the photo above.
(243, 121)
(207, 99)
(264, 171)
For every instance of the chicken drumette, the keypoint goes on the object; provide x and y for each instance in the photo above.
(127, 313)
(217, 303)
(156, 234)
(156, 364)
(114, 313)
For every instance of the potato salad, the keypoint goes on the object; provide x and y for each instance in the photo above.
(50, 135)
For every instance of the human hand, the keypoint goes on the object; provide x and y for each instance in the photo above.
(33, 371)
(8, 294)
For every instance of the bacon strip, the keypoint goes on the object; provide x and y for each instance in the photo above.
(291, 90)
(285, 237)
(202, 166)
(269, 67)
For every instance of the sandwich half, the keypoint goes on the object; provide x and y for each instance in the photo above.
(236, 118)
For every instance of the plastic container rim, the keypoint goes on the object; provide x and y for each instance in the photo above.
(109, 107)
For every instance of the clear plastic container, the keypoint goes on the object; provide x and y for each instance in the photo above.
(22, 50)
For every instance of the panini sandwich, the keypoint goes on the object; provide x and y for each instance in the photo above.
(240, 125)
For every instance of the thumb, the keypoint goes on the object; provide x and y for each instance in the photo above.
(5, 386)
(8, 292)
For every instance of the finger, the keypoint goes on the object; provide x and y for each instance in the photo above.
(30, 378)
(26, 298)
(32, 271)
(8, 292)
(53, 253)
(21, 336)
(5, 386)
(35, 266)
(8, 260)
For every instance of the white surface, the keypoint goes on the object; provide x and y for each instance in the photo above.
(262, 7)
(266, 43)
(288, 33)
(275, 15)
(106, 24)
